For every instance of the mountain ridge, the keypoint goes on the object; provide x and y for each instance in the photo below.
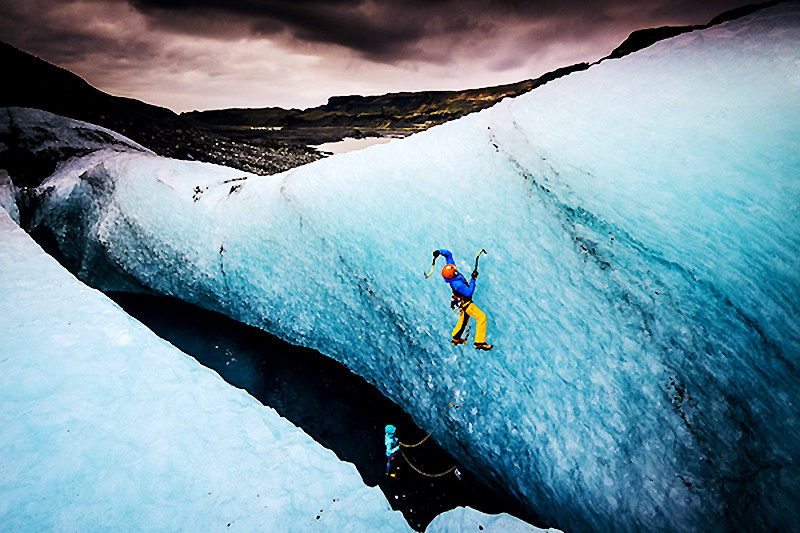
(409, 112)
(400, 113)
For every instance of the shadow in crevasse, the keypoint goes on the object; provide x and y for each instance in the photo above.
(337, 408)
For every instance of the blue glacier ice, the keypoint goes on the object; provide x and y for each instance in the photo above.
(642, 225)
(106, 427)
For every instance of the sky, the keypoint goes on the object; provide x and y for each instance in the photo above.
(212, 54)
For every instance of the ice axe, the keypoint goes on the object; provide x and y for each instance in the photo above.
(475, 271)
(431, 271)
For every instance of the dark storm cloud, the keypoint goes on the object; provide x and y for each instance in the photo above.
(397, 30)
(63, 35)
(386, 31)
(381, 31)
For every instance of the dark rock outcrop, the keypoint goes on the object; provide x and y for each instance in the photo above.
(641, 39)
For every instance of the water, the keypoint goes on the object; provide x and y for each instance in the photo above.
(350, 144)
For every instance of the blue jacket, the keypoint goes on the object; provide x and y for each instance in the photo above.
(459, 283)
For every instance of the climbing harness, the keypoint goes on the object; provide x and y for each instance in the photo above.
(459, 301)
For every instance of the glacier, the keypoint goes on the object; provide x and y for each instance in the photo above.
(641, 283)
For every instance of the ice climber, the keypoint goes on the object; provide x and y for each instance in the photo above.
(392, 445)
(462, 298)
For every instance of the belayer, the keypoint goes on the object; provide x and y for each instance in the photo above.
(462, 298)
(392, 445)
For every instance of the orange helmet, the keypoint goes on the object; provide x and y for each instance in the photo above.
(449, 271)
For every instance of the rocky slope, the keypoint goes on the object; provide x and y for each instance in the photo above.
(40, 85)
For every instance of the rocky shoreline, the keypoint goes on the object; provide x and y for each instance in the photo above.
(265, 151)
(250, 155)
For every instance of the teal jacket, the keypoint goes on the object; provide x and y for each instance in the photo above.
(392, 444)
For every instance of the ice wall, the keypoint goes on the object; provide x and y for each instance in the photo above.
(105, 427)
(641, 219)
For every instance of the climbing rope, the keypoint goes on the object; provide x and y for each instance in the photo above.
(441, 418)
(452, 399)
(418, 471)
(455, 390)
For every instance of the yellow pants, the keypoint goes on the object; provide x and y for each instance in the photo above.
(471, 310)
